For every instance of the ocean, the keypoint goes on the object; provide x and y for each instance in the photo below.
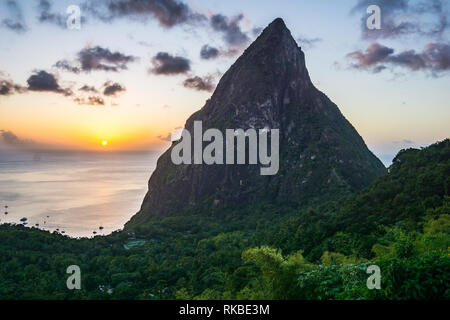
(78, 193)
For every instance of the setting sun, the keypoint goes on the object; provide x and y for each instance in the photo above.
(104, 143)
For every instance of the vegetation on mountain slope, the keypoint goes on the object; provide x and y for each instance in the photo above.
(400, 223)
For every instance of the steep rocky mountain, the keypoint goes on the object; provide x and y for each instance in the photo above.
(321, 154)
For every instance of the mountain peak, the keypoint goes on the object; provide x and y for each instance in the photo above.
(275, 36)
(272, 63)
(320, 153)
(277, 24)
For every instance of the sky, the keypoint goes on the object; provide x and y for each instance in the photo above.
(135, 70)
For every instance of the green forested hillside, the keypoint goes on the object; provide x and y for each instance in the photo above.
(400, 223)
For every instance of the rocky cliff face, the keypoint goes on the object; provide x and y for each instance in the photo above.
(321, 154)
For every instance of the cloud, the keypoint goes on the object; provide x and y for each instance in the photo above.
(98, 101)
(410, 59)
(47, 16)
(166, 64)
(232, 33)
(94, 59)
(404, 17)
(111, 89)
(379, 68)
(308, 42)
(15, 21)
(8, 87)
(87, 88)
(256, 31)
(65, 65)
(167, 137)
(200, 84)
(97, 58)
(168, 13)
(11, 139)
(207, 52)
(91, 100)
(46, 82)
(13, 25)
(145, 44)
(230, 52)
(435, 58)
(172, 136)
(374, 54)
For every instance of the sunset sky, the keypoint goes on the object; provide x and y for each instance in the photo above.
(141, 73)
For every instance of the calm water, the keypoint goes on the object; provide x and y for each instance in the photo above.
(74, 192)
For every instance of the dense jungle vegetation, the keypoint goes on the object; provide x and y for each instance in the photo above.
(400, 223)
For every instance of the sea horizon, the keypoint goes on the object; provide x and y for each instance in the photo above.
(73, 192)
